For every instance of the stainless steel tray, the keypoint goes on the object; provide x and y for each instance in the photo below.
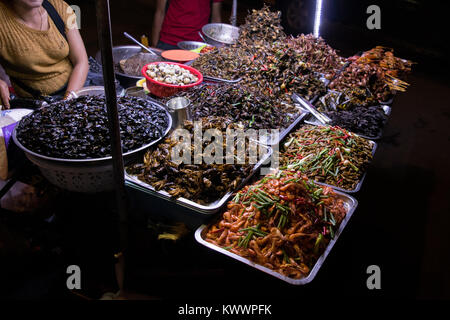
(359, 185)
(285, 131)
(387, 111)
(270, 140)
(389, 102)
(134, 182)
(350, 204)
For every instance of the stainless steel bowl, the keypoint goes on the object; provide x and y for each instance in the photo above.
(136, 92)
(220, 34)
(191, 45)
(90, 91)
(95, 91)
(83, 175)
(120, 53)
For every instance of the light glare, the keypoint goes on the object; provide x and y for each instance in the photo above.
(317, 18)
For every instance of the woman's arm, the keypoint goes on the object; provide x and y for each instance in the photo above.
(4, 95)
(79, 59)
(158, 19)
(216, 15)
(4, 90)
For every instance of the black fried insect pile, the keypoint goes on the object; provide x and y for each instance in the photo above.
(78, 128)
(367, 121)
(203, 183)
(237, 103)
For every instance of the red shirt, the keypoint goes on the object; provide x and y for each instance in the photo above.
(184, 19)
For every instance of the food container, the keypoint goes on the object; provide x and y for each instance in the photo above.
(179, 110)
(138, 92)
(220, 34)
(272, 140)
(193, 45)
(120, 53)
(350, 205)
(301, 115)
(96, 91)
(90, 91)
(388, 102)
(161, 90)
(359, 185)
(387, 111)
(160, 204)
(83, 175)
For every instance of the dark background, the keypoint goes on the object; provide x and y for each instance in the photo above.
(401, 223)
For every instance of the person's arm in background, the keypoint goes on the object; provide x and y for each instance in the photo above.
(79, 59)
(4, 90)
(158, 19)
(4, 95)
(216, 12)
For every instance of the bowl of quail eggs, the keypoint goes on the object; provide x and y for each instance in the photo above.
(165, 79)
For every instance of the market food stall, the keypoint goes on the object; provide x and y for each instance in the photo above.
(283, 222)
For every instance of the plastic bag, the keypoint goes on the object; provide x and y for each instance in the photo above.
(8, 121)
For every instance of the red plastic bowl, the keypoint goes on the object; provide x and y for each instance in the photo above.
(161, 89)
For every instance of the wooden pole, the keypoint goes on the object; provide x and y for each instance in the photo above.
(105, 43)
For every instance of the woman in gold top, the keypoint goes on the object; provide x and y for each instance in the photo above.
(41, 49)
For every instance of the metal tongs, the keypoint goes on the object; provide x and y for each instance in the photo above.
(308, 106)
(140, 44)
(27, 103)
(214, 79)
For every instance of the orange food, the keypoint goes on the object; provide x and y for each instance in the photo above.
(207, 49)
(179, 55)
(283, 222)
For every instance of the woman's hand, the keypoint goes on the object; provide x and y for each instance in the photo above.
(4, 95)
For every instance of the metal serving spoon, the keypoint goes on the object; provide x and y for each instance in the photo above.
(201, 36)
(140, 44)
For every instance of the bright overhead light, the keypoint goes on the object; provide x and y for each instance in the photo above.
(317, 18)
